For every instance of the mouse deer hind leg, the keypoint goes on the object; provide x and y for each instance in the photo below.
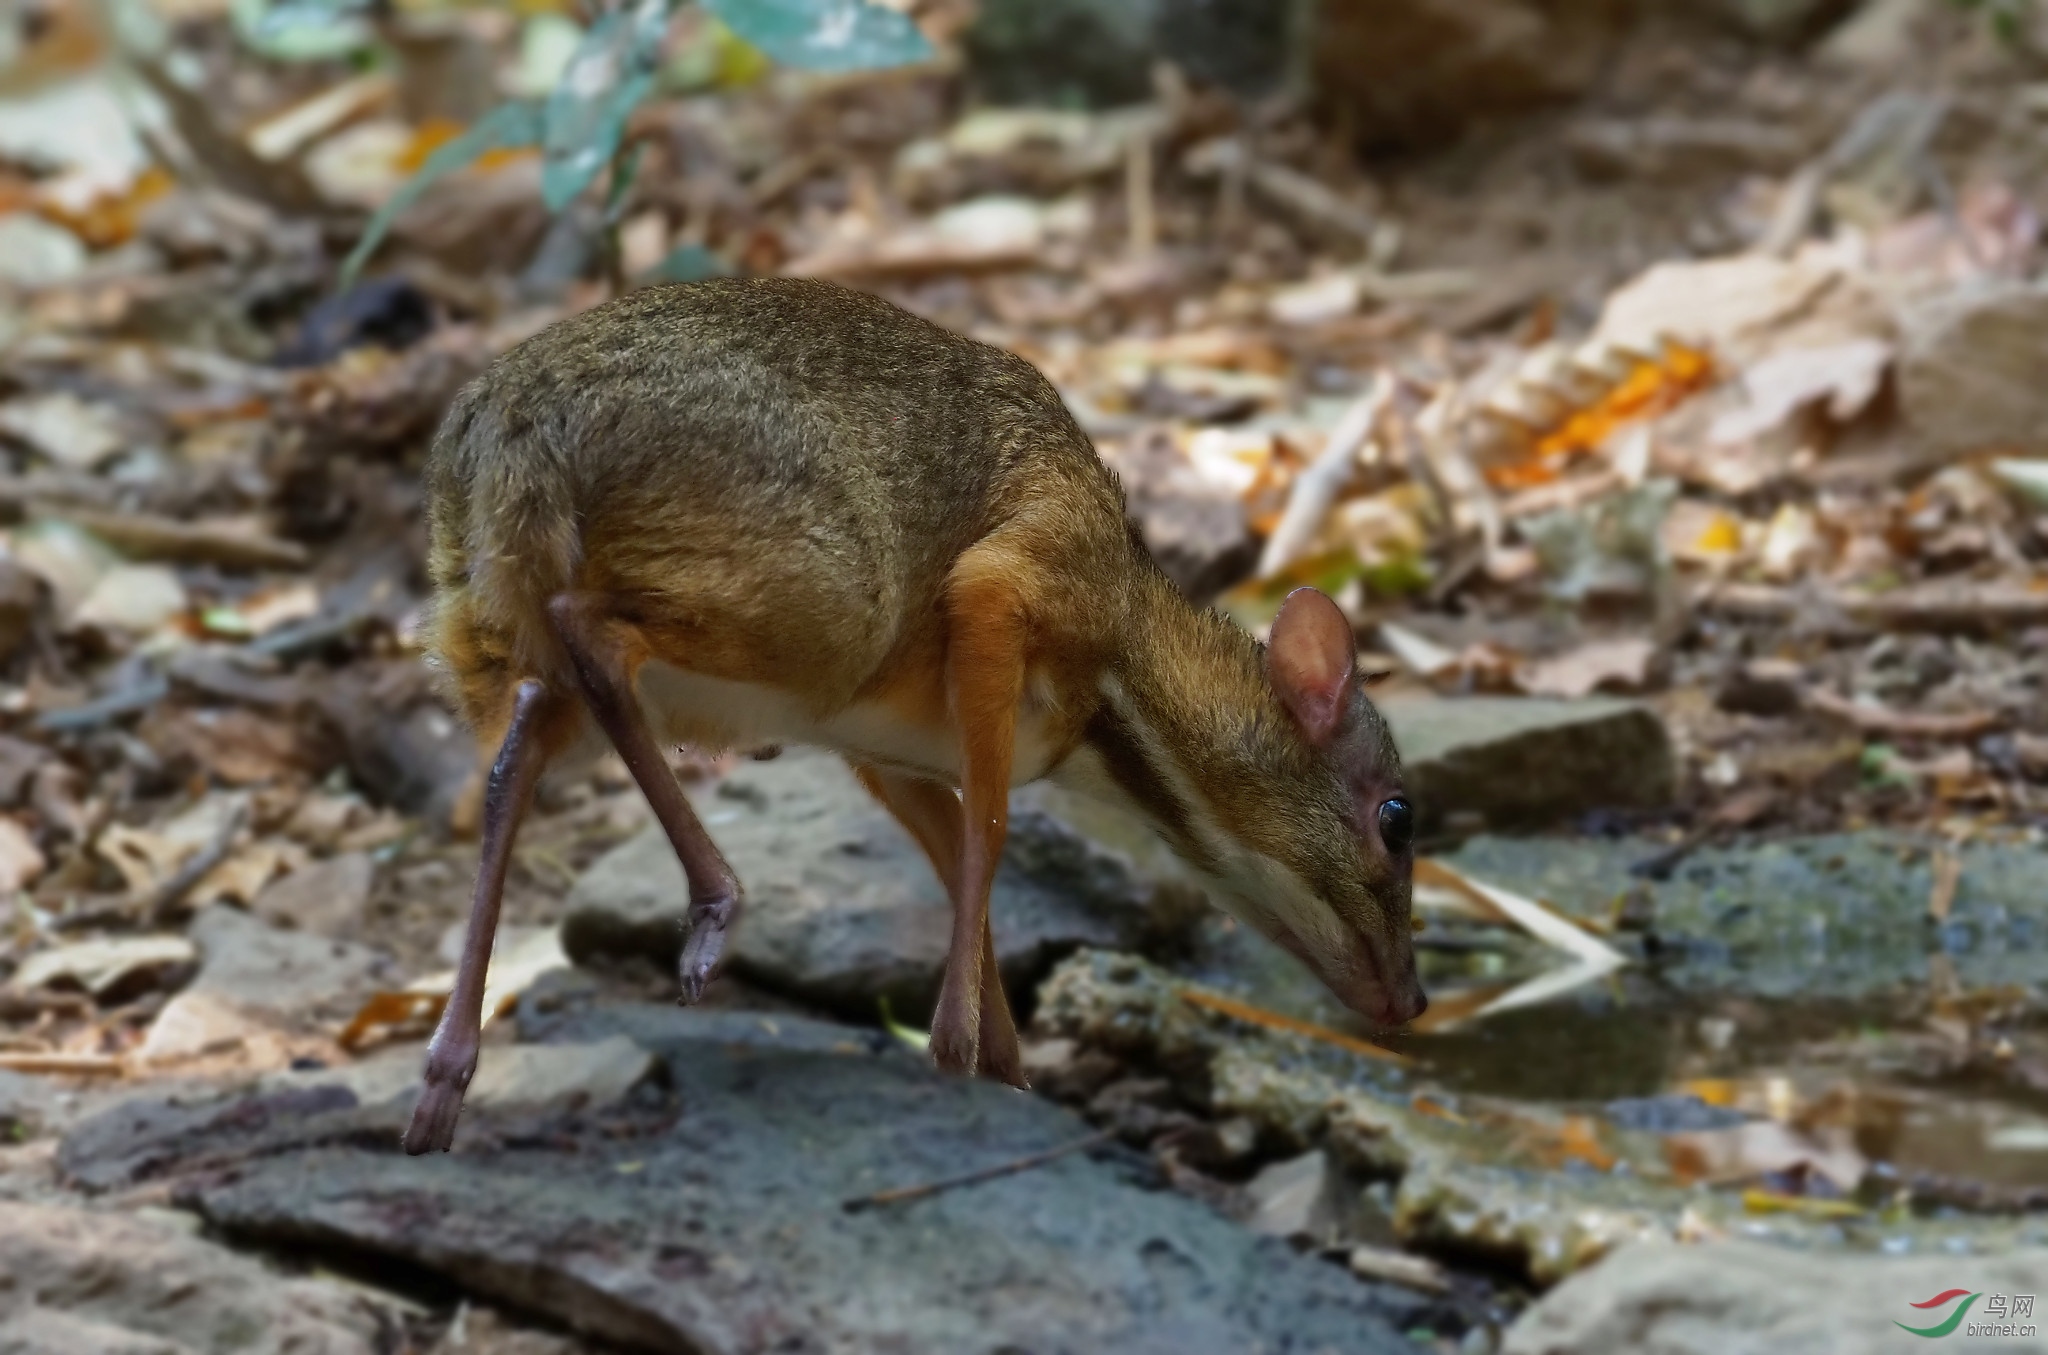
(452, 1054)
(602, 650)
(930, 813)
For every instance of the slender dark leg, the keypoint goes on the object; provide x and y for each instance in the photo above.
(598, 651)
(451, 1055)
(930, 813)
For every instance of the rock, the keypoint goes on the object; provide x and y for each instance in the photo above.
(1502, 1179)
(577, 1075)
(1101, 52)
(137, 1138)
(326, 898)
(710, 1222)
(1838, 916)
(1969, 371)
(277, 973)
(1743, 1296)
(1193, 527)
(1526, 761)
(107, 966)
(74, 1281)
(1412, 72)
(843, 908)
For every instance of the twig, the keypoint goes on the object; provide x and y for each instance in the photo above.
(1905, 724)
(1316, 489)
(197, 866)
(1930, 607)
(85, 1065)
(127, 701)
(1010, 1168)
(1139, 207)
(1259, 1016)
(1948, 877)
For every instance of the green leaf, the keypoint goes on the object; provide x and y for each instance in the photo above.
(302, 30)
(612, 71)
(504, 127)
(687, 263)
(825, 35)
(916, 1039)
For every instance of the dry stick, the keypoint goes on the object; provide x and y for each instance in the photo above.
(1316, 489)
(902, 1193)
(1905, 724)
(1139, 206)
(77, 1065)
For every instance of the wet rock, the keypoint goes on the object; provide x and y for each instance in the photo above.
(1969, 368)
(1706, 1300)
(326, 898)
(1671, 1114)
(1409, 72)
(710, 1220)
(74, 1281)
(1101, 52)
(1840, 915)
(1528, 1186)
(261, 969)
(1522, 762)
(842, 907)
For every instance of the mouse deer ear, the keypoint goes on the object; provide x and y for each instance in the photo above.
(1311, 660)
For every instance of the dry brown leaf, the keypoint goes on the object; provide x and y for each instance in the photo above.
(1601, 665)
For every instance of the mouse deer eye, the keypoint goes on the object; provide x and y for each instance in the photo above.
(1397, 825)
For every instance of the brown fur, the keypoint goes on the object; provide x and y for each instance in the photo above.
(800, 487)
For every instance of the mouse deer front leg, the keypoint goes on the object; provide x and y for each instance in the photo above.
(986, 647)
(930, 813)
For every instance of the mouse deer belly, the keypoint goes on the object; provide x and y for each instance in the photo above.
(687, 707)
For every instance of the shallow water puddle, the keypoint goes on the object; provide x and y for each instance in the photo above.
(1792, 1018)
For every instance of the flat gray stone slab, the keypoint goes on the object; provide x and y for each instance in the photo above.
(83, 1282)
(289, 974)
(841, 905)
(1527, 761)
(1742, 1296)
(710, 1219)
